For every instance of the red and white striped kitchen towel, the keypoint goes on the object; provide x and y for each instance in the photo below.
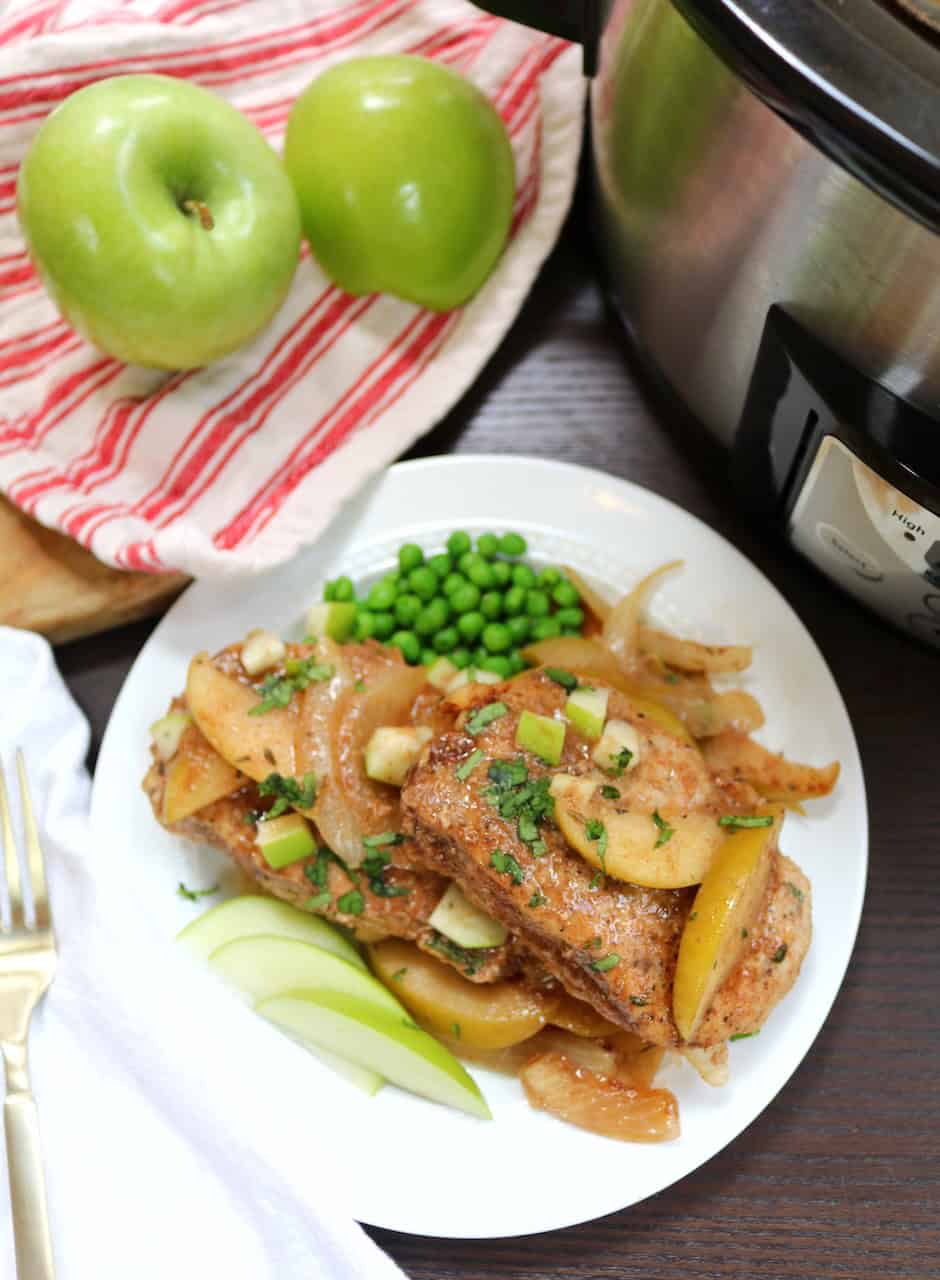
(234, 467)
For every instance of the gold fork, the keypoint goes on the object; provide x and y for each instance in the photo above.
(27, 967)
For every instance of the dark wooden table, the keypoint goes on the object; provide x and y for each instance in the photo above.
(840, 1176)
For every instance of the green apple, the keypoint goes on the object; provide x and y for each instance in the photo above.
(334, 619)
(587, 710)
(250, 915)
(541, 735)
(393, 750)
(267, 966)
(370, 1082)
(391, 1045)
(458, 919)
(160, 220)
(285, 840)
(619, 747)
(405, 176)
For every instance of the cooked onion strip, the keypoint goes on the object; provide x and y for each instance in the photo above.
(591, 599)
(690, 655)
(622, 626)
(736, 756)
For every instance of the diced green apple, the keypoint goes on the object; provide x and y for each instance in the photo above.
(473, 675)
(265, 966)
(587, 710)
(250, 915)
(458, 919)
(391, 752)
(384, 1042)
(441, 672)
(285, 840)
(167, 731)
(331, 618)
(541, 735)
(619, 747)
(262, 650)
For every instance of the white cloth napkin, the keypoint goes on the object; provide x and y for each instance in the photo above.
(166, 1113)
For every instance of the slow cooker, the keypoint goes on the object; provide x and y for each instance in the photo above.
(768, 199)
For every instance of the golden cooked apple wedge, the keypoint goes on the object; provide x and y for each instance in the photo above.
(196, 776)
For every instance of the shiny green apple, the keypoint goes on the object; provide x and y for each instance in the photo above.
(405, 176)
(160, 220)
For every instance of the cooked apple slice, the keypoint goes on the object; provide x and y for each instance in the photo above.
(220, 705)
(196, 776)
(670, 853)
(725, 907)
(577, 1016)
(379, 1040)
(167, 731)
(266, 966)
(249, 915)
(603, 1105)
(493, 1015)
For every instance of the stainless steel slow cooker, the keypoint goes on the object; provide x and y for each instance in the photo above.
(768, 192)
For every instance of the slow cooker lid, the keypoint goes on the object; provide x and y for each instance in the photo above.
(855, 76)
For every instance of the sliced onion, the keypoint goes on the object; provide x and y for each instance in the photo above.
(735, 755)
(690, 655)
(622, 626)
(592, 600)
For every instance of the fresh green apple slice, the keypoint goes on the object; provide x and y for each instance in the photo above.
(385, 1042)
(251, 914)
(369, 1082)
(266, 966)
(458, 919)
(541, 735)
(392, 750)
(285, 840)
(334, 619)
(587, 710)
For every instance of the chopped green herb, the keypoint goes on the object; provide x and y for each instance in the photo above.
(672, 677)
(508, 773)
(193, 895)
(412, 1026)
(594, 942)
(252, 817)
(595, 830)
(744, 1035)
(506, 865)
(289, 792)
(526, 828)
(596, 878)
(399, 973)
(780, 953)
(610, 793)
(521, 798)
(639, 1001)
(795, 890)
(464, 770)
(351, 903)
(621, 762)
(564, 678)
(537, 900)
(379, 841)
(360, 686)
(606, 964)
(694, 915)
(318, 870)
(374, 864)
(318, 901)
(666, 832)
(469, 961)
(744, 933)
(486, 715)
(739, 822)
(455, 1027)
(277, 691)
(537, 848)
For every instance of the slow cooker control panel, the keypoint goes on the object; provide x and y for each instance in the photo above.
(849, 470)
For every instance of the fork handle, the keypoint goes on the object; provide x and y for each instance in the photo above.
(27, 1188)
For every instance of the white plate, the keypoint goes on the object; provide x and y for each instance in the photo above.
(407, 1164)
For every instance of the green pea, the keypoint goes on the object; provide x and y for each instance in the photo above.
(481, 575)
(423, 582)
(467, 559)
(487, 545)
(364, 626)
(570, 618)
(441, 565)
(537, 604)
(565, 595)
(381, 596)
(470, 624)
(497, 638)
(522, 576)
(383, 624)
(513, 544)
(407, 608)
(465, 599)
(519, 629)
(458, 542)
(546, 628)
(480, 655)
(571, 631)
(491, 605)
(516, 662)
(502, 573)
(408, 643)
(343, 589)
(453, 582)
(328, 591)
(499, 664)
(549, 578)
(460, 658)
(513, 601)
(432, 617)
(409, 557)
(429, 657)
(446, 639)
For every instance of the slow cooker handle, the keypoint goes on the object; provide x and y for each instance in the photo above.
(577, 20)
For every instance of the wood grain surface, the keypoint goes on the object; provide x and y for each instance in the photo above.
(840, 1176)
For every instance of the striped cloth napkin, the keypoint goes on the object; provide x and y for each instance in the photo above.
(232, 468)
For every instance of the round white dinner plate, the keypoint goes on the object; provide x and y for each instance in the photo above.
(407, 1164)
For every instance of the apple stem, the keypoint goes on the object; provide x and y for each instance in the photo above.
(206, 221)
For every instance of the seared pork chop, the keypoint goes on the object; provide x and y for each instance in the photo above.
(612, 944)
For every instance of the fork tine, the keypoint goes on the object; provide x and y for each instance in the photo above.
(34, 858)
(10, 859)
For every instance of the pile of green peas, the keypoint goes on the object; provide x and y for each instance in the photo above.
(476, 606)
